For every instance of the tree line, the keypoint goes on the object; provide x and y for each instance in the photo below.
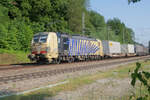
(21, 19)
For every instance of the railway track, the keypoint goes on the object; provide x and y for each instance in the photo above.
(34, 65)
(21, 77)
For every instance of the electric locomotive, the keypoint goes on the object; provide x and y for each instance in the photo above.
(54, 47)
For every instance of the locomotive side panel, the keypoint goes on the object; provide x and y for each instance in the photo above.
(96, 48)
(100, 51)
(53, 44)
(64, 45)
(83, 47)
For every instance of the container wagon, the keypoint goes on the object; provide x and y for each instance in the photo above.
(139, 50)
(124, 49)
(128, 50)
(146, 51)
(131, 50)
(111, 48)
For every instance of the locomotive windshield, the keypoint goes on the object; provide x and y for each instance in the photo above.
(40, 38)
(36, 39)
(43, 38)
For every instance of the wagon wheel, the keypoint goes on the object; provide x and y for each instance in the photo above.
(39, 62)
(87, 59)
(70, 60)
(58, 61)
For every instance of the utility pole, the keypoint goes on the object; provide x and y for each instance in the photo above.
(149, 47)
(107, 29)
(123, 36)
(107, 34)
(135, 38)
(83, 23)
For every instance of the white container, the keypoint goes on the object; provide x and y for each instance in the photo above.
(111, 47)
(124, 48)
(131, 48)
(114, 47)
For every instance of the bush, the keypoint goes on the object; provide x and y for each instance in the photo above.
(144, 78)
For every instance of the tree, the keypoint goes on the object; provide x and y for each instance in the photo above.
(123, 33)
(97, 20)
(4, 22)
(134, 1)
(75, 10)
(21, 19)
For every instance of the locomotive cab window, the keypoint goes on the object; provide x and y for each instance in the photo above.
(40, 38)
(36, 39)
(66, 43)
(43, 38)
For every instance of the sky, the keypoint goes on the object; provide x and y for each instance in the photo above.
(135, 16)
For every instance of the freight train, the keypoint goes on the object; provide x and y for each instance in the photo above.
(52, 47)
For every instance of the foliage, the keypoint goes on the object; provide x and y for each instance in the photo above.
(21, 19)
(143, 78)
(125, 34)
(134, 1)
(13, 57)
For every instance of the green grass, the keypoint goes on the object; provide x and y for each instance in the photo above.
(13, 57)
(74, 83)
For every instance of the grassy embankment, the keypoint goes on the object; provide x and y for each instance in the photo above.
(13, 57)
(120, 72)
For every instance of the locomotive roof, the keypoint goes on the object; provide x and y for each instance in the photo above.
(83, 37)
(76, 36)
(39, 33)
